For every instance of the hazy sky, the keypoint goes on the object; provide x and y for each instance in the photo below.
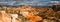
(29, 0)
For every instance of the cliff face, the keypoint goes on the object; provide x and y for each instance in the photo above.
(29, 14)
(5, 17)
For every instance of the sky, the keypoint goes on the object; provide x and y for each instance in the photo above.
(28, 2)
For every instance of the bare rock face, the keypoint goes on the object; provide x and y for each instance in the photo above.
(5, 17)
(28, 14)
